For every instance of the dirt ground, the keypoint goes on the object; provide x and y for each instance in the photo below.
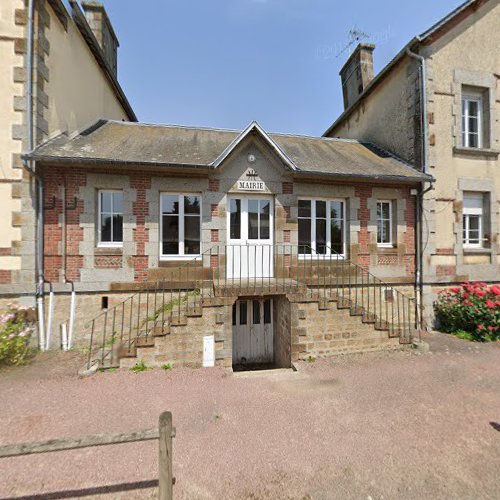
(387, 425)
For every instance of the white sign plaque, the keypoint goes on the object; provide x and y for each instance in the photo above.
(251, 186)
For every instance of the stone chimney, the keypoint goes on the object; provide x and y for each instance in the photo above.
(357, 73)
(103, 31)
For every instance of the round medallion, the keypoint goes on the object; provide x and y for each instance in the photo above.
(251, 158)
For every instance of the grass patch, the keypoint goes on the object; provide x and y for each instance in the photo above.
(311, 359)
(462, 334)
(140, 366)
(166, 366)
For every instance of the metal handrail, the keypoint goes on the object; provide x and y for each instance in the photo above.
(225, 270)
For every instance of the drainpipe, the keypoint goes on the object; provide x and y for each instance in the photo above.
(419, 280)
(30, 166)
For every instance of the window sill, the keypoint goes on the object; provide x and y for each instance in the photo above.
(477, 251)
(387, 249)
(183, 258)
(104, 250)
(332, 257)
(476, 151)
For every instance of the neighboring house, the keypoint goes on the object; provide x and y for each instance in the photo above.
(437, 105)
(59, 74)
(199, 246)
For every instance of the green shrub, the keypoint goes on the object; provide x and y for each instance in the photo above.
(167, 366)
(16, 329)
(473, 309)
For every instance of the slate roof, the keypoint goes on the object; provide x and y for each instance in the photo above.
(127, 143)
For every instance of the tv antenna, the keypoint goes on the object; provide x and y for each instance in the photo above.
(354, 36)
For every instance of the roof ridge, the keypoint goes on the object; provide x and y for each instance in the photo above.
(167, 125)
(320, 138)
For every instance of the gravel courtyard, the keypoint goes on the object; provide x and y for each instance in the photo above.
(387, 425)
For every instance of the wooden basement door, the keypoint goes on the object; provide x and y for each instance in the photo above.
(253, 331)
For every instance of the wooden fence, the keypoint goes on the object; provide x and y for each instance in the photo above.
(165, 433)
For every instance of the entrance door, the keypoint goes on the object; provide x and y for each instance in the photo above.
(253, 331)
(250, 237)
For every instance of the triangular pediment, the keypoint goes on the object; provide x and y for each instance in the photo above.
(254, 129)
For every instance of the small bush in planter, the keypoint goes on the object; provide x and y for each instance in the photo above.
(16, 329)
(472, 308)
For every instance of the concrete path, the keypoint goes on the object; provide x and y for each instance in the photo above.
(391, 426)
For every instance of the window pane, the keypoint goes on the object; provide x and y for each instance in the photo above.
(105, 201)
(235, 219)
(386, 231)
(253, 219)
(170, 204)
(304, 208)
(192, 205)
(473, 108)
(265, 208)
(243, 312)
(118, 228)
(337, 209)
(118, 203)
(170, 236)
(105, 228)
(473, 125)
(267, 311)
(473, 141)
(321, 236)
(256, 312)
(191, 234)
(321, 209)
(337, 243)
(304, 235)
(473, 222)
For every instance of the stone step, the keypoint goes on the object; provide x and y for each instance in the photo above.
(145, 341)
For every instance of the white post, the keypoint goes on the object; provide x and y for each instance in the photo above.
(50, 320)
(71, 318)
(64, 337)
(41, 323)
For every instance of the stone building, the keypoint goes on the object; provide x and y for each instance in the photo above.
(200, 246)
(437, 106)
(59, 75)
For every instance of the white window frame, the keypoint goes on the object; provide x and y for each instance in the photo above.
(466, 213)
(390, 243)
(313, 201)
(181, 255)
(468, 97)
(107, 244)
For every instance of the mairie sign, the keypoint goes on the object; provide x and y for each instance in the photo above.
(251, 186)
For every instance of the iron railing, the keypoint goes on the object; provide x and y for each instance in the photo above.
(225, 271)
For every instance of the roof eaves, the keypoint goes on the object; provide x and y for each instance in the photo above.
(404, 179)
(72, 160)
(82, 24)
(254, 126)
(445, 19)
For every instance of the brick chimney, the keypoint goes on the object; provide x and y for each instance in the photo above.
(100, 25)
(357, 73)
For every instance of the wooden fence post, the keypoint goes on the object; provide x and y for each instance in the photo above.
(166, 480)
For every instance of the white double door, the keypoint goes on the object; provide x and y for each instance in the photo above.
(250, 237)
(253, 331)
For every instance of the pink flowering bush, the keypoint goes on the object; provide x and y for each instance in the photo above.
(16, 328)
(473, 308)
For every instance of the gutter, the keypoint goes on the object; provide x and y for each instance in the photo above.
(424, 135)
